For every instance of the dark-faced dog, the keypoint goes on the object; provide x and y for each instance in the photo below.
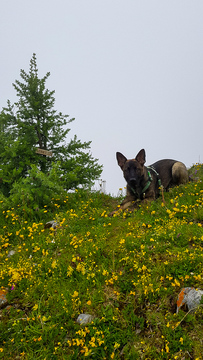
(145, 182)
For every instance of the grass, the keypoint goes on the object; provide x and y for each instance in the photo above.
(126, 271)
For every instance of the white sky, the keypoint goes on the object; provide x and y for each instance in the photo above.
(129, 71)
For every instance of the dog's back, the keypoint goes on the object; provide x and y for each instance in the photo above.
(171, 172)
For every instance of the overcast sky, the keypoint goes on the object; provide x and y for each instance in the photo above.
(130, 72)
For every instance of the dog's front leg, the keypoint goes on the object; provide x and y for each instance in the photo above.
(127, 202)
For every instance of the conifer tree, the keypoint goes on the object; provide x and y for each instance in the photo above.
(32, 123)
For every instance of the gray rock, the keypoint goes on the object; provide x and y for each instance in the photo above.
(190, 297)
(84, 319)
(11, 253)
(51, 224)
(3, 298)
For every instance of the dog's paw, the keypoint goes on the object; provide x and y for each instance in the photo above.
(112, 213)
(115, 212)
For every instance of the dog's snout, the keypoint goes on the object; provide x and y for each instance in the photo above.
(132, 181)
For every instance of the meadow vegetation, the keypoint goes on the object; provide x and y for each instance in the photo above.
(126, 271)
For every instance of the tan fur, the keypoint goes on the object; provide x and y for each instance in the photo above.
(179, 173)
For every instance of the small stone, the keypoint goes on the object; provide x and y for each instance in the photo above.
(84, 319)
(190, 297)
(51, 224)
(3, 299)
(11, 253)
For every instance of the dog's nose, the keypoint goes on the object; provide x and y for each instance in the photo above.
(133, 180)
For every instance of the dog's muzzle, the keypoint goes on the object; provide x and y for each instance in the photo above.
(133, 182)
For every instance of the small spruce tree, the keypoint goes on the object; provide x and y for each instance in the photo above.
(31, 123)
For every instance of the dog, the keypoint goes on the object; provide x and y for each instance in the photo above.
(144, 183)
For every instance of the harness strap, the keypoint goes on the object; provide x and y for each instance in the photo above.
(157, 174)
(149, 181)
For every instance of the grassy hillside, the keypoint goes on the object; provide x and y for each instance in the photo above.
(125, 271)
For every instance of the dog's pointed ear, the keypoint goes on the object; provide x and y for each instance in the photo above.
(141, 157)
(121, 159)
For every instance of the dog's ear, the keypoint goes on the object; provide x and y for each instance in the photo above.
(121, 159)
(141, 157)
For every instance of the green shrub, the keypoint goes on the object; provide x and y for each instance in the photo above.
(38, 190)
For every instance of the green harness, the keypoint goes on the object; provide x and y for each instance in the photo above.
(149, 181)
